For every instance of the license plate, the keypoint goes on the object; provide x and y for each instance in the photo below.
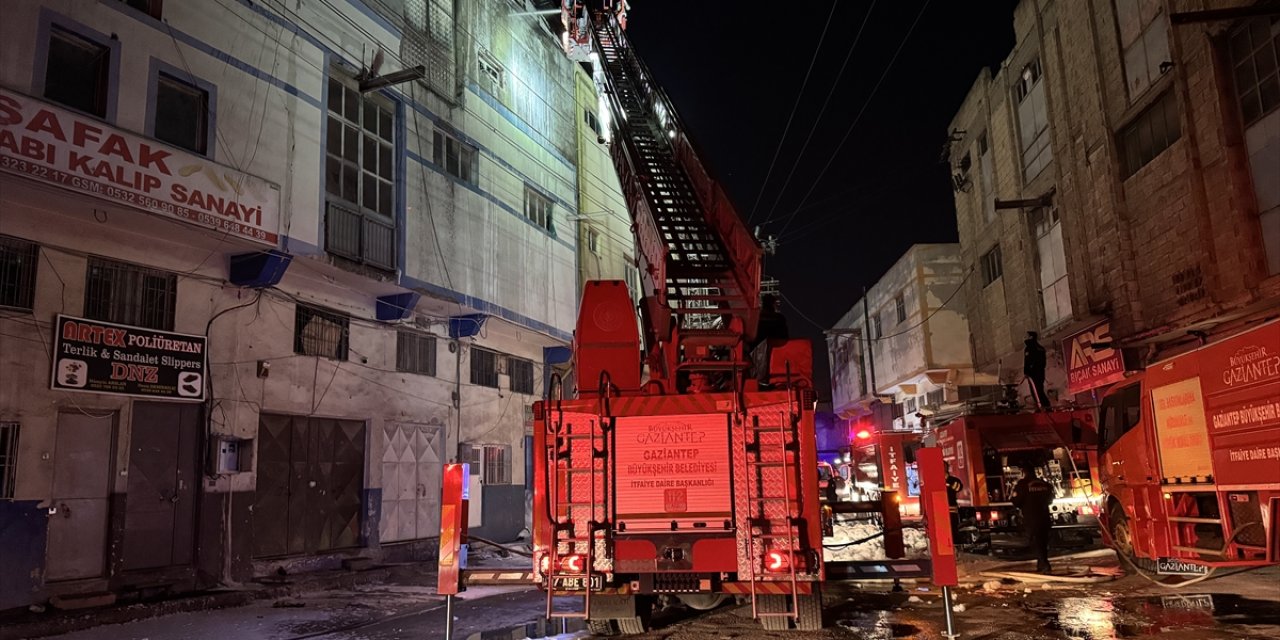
(578, 583)
(1198, 601)
(1176, 567)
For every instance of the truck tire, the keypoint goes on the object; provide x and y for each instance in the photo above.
(1122, 541)
(774, 604)
(601, 627)
(631, 626)
(810, 613)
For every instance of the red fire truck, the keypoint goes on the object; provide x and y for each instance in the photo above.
(1191, 457)
(985, 451)
(692, 471)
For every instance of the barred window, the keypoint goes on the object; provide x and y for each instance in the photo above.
(936, 397)
(1149, 134)
(484, 367)
(359, 174)
(900, 305)
(18, 263)
(415, 353)
(992, 266)
(128, 294)
(521, 372)
(537, 207)
(321, 333)
(455, 157)
(8, 459)
(497, 464)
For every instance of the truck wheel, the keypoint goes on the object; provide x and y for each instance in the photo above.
(631, 626)
(810, 618)
(601, 627)
(1121, 534)
(774, 604)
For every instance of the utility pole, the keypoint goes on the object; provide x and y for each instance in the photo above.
(871, 353)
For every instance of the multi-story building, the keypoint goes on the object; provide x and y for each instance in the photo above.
(258, 284)
(1115, 185)
(901, 353)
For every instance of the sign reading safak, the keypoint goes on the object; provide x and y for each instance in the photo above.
(1090, 366)
(101, 357)
(56, 146)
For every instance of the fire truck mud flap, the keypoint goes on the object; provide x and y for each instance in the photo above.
(629, 613)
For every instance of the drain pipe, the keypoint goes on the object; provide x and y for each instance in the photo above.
(457, 399)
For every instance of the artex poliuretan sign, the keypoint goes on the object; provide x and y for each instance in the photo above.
(101, 357)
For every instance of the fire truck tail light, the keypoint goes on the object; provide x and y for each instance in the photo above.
(995, 515)
(978, 515)
(571, 563)
(776, 561)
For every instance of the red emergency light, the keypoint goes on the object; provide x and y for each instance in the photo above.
(863, 435)
(776, 561)
(571, 563)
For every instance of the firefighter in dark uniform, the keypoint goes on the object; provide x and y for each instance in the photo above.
(954, 487)
(1032, 496)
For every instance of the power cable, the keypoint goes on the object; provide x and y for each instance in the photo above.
(861, 111)
(822, 111)
(794, 106)
(926, 319)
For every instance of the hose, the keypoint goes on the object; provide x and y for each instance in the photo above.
(519, 552)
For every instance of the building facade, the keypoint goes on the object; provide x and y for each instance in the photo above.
(1115, 185)
(901, 353)
(255, 289)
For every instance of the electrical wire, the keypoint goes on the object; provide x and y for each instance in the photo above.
(821, 112)
(926, 319)
(787, 128)
(875, 89)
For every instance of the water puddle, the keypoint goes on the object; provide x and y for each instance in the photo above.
(542, 629)
(1105, 618)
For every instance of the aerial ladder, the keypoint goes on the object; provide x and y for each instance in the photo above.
(626, 507)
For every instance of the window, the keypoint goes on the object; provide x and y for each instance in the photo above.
(484, 367)
(78, 72)
(359, 175)
(876, 329)
(415, 353)
(127, 294)
(428, 40)
(992, 266)
(911, 405)
(8, 459)
(900, 303)
(593, 121)
(317, 332)
(593, 241)
(1033, 120)
(632, 275)
(1255, 58)
(986, 173)
(935, 398)
(497, 464)
(456, 158)
(182, 114)
(1144, 39)
(1149, 134)
(18, 262)
(537, 208)
(491, 73)
(1120, 412)
(521, 372)
(1055, 294)
(149, 7)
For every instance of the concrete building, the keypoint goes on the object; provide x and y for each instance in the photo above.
(250, 306)
(1115, 185)
(901, 353)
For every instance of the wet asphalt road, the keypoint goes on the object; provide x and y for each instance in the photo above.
(1244, 606)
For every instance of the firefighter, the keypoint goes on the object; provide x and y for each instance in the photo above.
(954, 486)
(1032, 496)
(1033, 364)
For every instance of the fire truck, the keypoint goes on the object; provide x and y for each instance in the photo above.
(1191, 457)
(985, 451)
(681, 459)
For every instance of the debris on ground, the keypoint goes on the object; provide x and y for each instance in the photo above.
(914, 599)
(991, 585)
(870, 542)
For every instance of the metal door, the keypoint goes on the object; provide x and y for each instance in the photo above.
(160, 505)
(411, 468)
(81, 485)
(310, 485)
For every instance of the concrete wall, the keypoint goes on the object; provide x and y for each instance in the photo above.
(466, 248)
(932, 337)
(1176, 244)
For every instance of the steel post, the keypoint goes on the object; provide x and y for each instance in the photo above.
(946, 604)
(448, 617)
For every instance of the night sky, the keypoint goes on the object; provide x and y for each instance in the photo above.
(734, 74)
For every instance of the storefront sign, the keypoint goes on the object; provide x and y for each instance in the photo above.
(101, 357)
(1090, 366)
(55, 146)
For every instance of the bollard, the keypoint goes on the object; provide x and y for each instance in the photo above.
(453, 534)
(934, 505)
